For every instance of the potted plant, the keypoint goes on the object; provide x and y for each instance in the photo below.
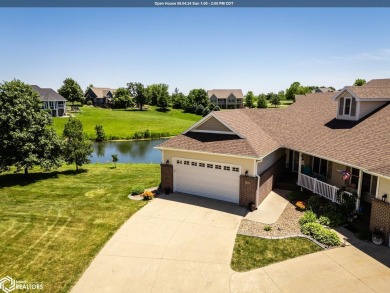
(377, 236)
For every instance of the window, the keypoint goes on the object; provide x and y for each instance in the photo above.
(355, 177)
(186, 162)
(235, 169)
(218, 167)
(347, 107)
(179, 162)
(369, 183)
(194, 164)
(209, 165)
(320, 166)
(226, 168)
(201, 164)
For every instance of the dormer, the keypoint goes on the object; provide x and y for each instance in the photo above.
(356, 102)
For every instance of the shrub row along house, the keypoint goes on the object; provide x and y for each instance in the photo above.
(237, 155)
(52, 101)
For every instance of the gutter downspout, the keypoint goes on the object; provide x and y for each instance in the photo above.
(258, 180)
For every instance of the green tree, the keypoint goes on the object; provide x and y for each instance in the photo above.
(158, 94)
(281, 95)
(217, 108)
(122, 99)
(359, 82)
(199, 109)
(77, 148)
(250, 99)
(198, 97)
(114, 159)
(275, 100)
(206, 111)
(262, 101)
(296, 89)
(100, 134)
(26, 138)
(71, 91)
(138, 92)
(178, 100)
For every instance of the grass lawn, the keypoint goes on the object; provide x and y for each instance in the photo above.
(283, 104)
(53, 224)
(252, 252)
(121, 124)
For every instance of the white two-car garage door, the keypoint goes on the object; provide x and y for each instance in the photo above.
(209, 179)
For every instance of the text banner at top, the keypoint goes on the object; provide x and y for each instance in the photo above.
(197, 4)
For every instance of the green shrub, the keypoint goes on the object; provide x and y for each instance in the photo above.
(321, 234)
(311, 228)
(315, 203)
(267, 228)
(324, 220)
(308, 217)
(296, 195)
(147, 133)
(100, 134)
(336, 219)
(199, 109)
(137, 189)
(89, 103)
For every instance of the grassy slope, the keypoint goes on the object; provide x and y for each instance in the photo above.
(120, 124)
(53, 224)
(252, 252)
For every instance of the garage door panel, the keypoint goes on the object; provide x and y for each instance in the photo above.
(209, 182)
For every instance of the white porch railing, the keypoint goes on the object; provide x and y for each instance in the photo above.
(326, 190)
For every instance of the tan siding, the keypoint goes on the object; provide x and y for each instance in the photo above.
(336, 178)
(384, 187)
(246, 164)
(213, 124)
(367, 107)
(269, 160)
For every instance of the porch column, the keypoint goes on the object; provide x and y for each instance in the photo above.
(359, 189)
(299, 167)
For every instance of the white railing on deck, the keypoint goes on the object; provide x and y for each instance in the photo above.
(316, 186)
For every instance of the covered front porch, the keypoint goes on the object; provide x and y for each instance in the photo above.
(324, 178)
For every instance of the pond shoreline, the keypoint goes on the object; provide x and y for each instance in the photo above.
(134, 139)
(128, 151)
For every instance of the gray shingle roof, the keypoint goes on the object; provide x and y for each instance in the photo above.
(48, 94)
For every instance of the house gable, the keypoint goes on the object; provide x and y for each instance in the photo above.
(211, 124)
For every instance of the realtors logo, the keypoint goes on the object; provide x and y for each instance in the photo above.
(7, 284)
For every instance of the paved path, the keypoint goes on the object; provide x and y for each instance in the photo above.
(269, 211)
(181, 243)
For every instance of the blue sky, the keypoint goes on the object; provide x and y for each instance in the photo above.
(259, 49)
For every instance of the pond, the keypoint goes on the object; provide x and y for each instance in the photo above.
(137, 151)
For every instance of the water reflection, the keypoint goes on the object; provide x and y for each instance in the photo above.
(141, 151)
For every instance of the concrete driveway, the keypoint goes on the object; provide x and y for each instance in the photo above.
(181, 243)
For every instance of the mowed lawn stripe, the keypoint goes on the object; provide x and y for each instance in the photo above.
(53, 224)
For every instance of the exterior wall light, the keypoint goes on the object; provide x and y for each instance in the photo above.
(246, 173)
(384, 197)
(167, 162)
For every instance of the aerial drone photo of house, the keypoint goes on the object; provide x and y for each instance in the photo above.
(239, 155)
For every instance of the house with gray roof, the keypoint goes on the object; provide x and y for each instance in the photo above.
(226, 99)
(335, 144)
(100, 96)
(52, 101)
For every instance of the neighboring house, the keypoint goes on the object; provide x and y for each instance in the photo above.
(322, 90)
(237, 156)
(226, 99)
(100, 96)
(52, 101)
